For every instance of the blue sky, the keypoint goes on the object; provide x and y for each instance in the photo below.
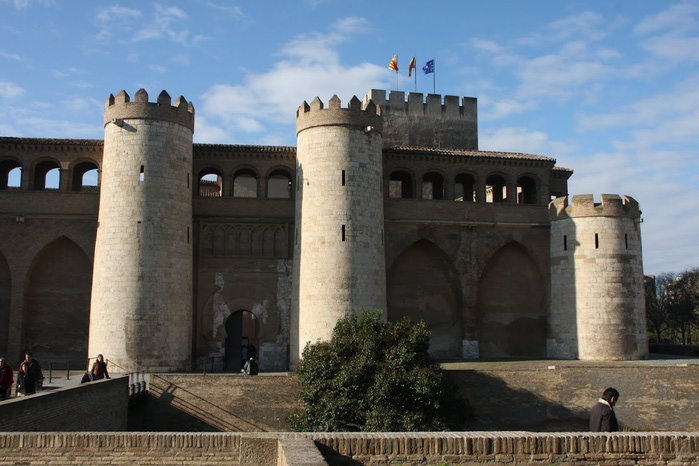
(608, 88)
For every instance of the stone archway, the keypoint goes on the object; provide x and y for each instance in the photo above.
(5, 292)
(242, 330)
(423, 284)
(511, 306)
(57, 296)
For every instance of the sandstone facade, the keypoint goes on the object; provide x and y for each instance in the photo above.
(244, 244)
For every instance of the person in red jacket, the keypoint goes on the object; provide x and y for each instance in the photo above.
(6, 379)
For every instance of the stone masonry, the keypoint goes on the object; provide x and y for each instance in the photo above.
(180, 253)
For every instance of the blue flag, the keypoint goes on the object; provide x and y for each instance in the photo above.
(429, 67)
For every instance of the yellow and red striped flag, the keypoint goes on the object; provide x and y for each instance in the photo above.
(411, 67)
(393, 65)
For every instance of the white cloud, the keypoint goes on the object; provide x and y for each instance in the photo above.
(10, 56)
(677, 49)
(308, 66)
(10, 90)
(679, 17)
(588, 24)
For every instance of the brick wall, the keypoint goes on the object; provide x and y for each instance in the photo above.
(558, 395)
(95, 406)
(372, 449)
(472, 448)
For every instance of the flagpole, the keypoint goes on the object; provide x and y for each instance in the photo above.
(415, 60)
(434, 78)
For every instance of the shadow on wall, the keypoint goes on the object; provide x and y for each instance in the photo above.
(159, 415)
(496, 406)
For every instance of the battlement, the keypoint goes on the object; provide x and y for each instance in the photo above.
(418, 105)
(121, 108)
(584, 205)
(432, 120)
(365, 114)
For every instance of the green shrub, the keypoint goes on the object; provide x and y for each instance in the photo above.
(373, 375)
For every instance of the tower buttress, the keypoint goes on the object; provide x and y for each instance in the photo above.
(339, 259)
(597, 307)
(141, 305)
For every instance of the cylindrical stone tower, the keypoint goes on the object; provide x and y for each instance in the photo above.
(597, 303)
(141, 309)
(339, 262)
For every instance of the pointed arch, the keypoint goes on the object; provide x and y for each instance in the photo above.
(511, 306)
(423, 284)
(5, 293)
(57, 296)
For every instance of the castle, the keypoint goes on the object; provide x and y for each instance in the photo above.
(184, 252)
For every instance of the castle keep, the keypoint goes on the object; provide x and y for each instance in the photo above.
(181, 253)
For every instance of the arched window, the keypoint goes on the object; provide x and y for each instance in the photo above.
(245, 183)
(526, 190)
(400, 185)
(47, 175)
(85, 177)
(279, 185)
(210, 183)
(464, 188)
(10, 174)
(495, 189)
(433, 186)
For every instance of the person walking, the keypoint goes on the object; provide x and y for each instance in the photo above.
(602, 416)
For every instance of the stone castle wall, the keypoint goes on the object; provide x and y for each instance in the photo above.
(597, 269)
(465, 246)
(338, 241)
(142, 286)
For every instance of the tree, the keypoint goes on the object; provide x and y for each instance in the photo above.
(656, 313)
(682, 300)
(373, 375)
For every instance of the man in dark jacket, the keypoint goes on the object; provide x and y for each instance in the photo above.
(30, 374)
(602, 417)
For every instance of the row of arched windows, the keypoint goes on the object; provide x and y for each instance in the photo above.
(464, 187)
(48, 175)
(244, 183)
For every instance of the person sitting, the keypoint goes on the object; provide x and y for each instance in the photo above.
(250, 367)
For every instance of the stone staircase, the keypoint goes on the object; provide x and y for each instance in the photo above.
(216, 403)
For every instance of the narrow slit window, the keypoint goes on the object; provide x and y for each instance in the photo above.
(565, 242)
(343, 178)
(626, 240)
(142, 175)
(187, 180)
(343, 232)
(187, 235)
(596, 241)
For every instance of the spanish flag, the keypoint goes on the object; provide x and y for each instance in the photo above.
(411, 67)
(393, 65)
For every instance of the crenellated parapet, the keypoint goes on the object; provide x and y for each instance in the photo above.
(419, 105)
(432, 120)
(365, 115)
(584, 205)
(122, 108)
